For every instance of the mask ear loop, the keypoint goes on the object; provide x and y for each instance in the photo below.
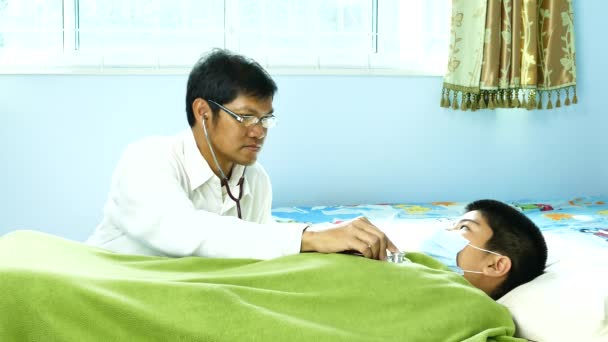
(223, 179)
(484, 250)
(467, 271)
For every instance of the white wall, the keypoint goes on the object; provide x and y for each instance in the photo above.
(341, 139)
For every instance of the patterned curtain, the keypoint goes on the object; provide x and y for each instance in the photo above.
(510, 54)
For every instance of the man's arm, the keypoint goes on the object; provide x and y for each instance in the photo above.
(148, 203)
(358, 235)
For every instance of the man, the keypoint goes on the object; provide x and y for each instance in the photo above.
(494, 246)
(202, 193)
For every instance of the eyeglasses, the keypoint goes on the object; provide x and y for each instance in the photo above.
(267, 121)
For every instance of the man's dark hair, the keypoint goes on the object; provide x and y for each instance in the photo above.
(221, 76)
(516, 236)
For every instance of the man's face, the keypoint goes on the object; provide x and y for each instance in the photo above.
(231, 140)
(473, 227)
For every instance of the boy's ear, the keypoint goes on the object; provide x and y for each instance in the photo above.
(499, 266)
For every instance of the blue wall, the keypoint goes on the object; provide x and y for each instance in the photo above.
(341, 139)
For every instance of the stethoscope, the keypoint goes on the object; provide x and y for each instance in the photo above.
(224, 180)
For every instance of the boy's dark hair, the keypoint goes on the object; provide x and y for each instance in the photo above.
(516, 236)
(221, 76)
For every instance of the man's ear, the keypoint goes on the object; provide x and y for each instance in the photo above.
(200, 108)
(498, 266)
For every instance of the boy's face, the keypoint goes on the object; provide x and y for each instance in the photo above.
(473, 227)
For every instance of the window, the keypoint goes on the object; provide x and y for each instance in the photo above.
(314, 36)
(24, 28)
(304, 33)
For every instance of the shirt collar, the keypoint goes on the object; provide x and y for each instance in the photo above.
(198, 170)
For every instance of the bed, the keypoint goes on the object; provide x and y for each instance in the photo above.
(54, 289)
(567, 303)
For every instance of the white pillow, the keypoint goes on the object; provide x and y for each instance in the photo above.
(569, 302)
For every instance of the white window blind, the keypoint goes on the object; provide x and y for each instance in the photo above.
(290, 36)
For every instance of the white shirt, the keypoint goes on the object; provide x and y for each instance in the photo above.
(165, 200)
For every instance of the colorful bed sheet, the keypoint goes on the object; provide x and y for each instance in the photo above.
(582, 217)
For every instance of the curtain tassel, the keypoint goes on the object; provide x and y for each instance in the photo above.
(473, 101)
(482, 103)
(567, 101)
(497, 99)
(574, 99)
(515, 102)
(465, 101)
(549, 101)
(492, 103)
(442, 102)
(540, 100)
(448, 104)
(455, 101)
(558, 104)
(531, 100)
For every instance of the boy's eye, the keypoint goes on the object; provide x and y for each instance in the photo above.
(463, 227)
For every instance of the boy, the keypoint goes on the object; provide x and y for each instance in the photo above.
(493, 245)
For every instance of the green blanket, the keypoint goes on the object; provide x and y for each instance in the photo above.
(53, 289)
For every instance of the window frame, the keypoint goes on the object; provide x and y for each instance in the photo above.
(72, 60)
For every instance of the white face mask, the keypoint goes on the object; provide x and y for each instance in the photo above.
(444, 246)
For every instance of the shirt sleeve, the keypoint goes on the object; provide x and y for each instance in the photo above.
(149, 204)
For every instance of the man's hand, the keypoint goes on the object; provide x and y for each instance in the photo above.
(358, 235)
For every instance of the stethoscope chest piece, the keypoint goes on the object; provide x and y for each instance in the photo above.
(397, 258)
